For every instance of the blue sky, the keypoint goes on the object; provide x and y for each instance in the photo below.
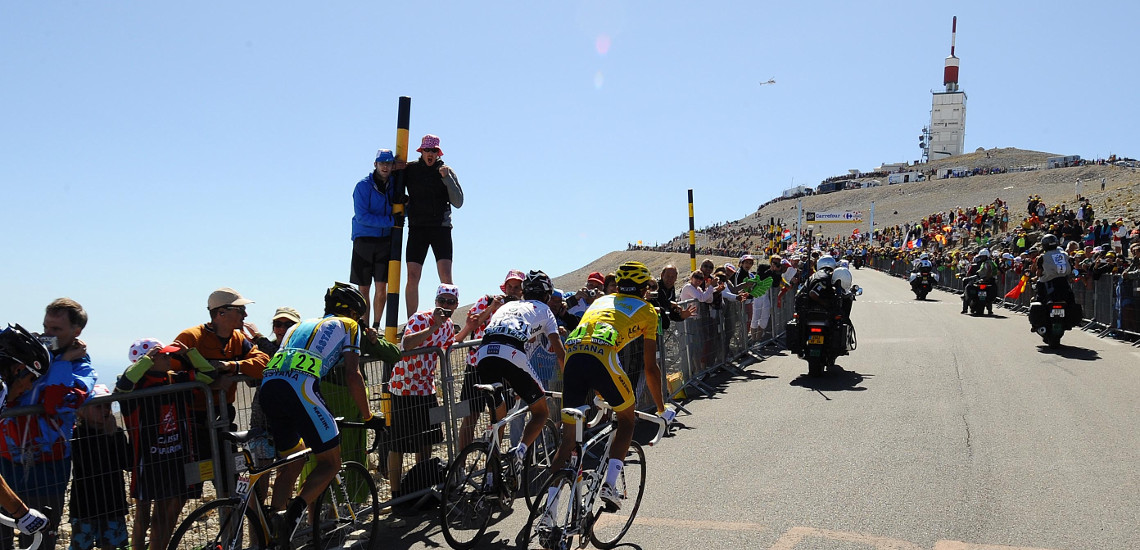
(154, 151)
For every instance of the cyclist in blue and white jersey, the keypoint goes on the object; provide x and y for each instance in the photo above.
(294, 409)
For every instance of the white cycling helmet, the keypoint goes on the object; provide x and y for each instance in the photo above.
(842, 276)
(985, 253)
(825, 262)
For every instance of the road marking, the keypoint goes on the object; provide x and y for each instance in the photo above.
(793, 536)
(955, 545)
(686, 523)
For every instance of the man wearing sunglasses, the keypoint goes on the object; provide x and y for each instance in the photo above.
(432, 190)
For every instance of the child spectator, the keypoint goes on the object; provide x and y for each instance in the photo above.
(98, 507)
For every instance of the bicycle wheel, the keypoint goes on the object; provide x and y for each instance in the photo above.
(347, 512)
(608, 529)
(536, 470)
(466, 507)
(552, 522)
(214, 524)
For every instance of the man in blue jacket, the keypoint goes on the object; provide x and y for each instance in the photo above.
(372, 232)
(35, 450)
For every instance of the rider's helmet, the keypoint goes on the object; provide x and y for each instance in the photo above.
(844, 264)
(345, 299)
(632, 278)
(1049, 242)
(537, 286)
(842, 277)
(20, 349)
(825, 262)
(983, 254)
(925, 264)
(924, 256)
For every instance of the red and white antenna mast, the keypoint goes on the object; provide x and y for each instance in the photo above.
(950, 73)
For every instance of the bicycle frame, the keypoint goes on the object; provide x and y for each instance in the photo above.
(244, 489)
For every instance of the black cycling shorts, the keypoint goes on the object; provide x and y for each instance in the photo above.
(292, 419)
(525, 384)
(585, 373)
(479, 400)
(421, 238)
(370, 256)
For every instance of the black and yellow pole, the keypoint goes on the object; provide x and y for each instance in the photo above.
(692, 237)
(392, 308)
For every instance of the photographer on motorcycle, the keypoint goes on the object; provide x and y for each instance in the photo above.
(982, 270)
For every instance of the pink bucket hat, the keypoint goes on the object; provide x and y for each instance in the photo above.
(429, 142)
(512, 274)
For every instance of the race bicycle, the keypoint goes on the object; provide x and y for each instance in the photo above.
(577, 510)
(348, 506)
(482, 479)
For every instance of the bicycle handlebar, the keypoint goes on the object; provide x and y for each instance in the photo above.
(37, 537)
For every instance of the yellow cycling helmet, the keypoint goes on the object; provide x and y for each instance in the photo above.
(632, 277)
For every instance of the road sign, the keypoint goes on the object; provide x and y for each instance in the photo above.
(847, 216)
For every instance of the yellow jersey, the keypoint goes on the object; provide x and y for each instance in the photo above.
(610, 323)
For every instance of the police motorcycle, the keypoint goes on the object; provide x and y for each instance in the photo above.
(1053, 310)
(860, 258)
(820, 331)
(923, 278)
(981, 288)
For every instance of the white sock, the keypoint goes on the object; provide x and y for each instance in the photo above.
(551, 496)
(612, 471)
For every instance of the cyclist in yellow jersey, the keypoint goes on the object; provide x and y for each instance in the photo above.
(592, 365)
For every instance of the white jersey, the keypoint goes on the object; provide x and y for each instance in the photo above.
(520, 323)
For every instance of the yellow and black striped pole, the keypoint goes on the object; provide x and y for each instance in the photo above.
(392, 308)
(692, 237)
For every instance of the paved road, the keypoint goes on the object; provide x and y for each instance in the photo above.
(943, 432)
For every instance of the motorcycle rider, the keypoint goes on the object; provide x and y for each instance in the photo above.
(921, 266)
(983, 270)
(1053, 270)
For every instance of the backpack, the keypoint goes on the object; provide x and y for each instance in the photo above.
(423, 476)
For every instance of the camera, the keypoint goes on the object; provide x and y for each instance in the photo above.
(447, 313)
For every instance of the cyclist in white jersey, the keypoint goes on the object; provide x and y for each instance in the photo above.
(511, 339)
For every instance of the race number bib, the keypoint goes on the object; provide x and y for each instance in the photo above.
(602, 333)
(296, 360)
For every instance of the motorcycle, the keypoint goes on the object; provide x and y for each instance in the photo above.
(819, 336)
(980, 295)
(1051, 319)
(858, 263)
(921, 283)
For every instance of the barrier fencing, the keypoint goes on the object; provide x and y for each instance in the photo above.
(1110, 303)
(164, 446)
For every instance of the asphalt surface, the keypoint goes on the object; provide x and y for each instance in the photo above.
(942, 432)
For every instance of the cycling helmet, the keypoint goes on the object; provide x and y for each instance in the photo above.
(1049, 242)
(345, 298)
(825, 262)
(632, 277)
(537, 286)
(842, 277)
(18, 346)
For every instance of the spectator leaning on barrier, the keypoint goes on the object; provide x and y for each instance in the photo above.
(412, 384)
(432, 190)
(372, 223)
(35, 451)
(161, 428)
(666, 303)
